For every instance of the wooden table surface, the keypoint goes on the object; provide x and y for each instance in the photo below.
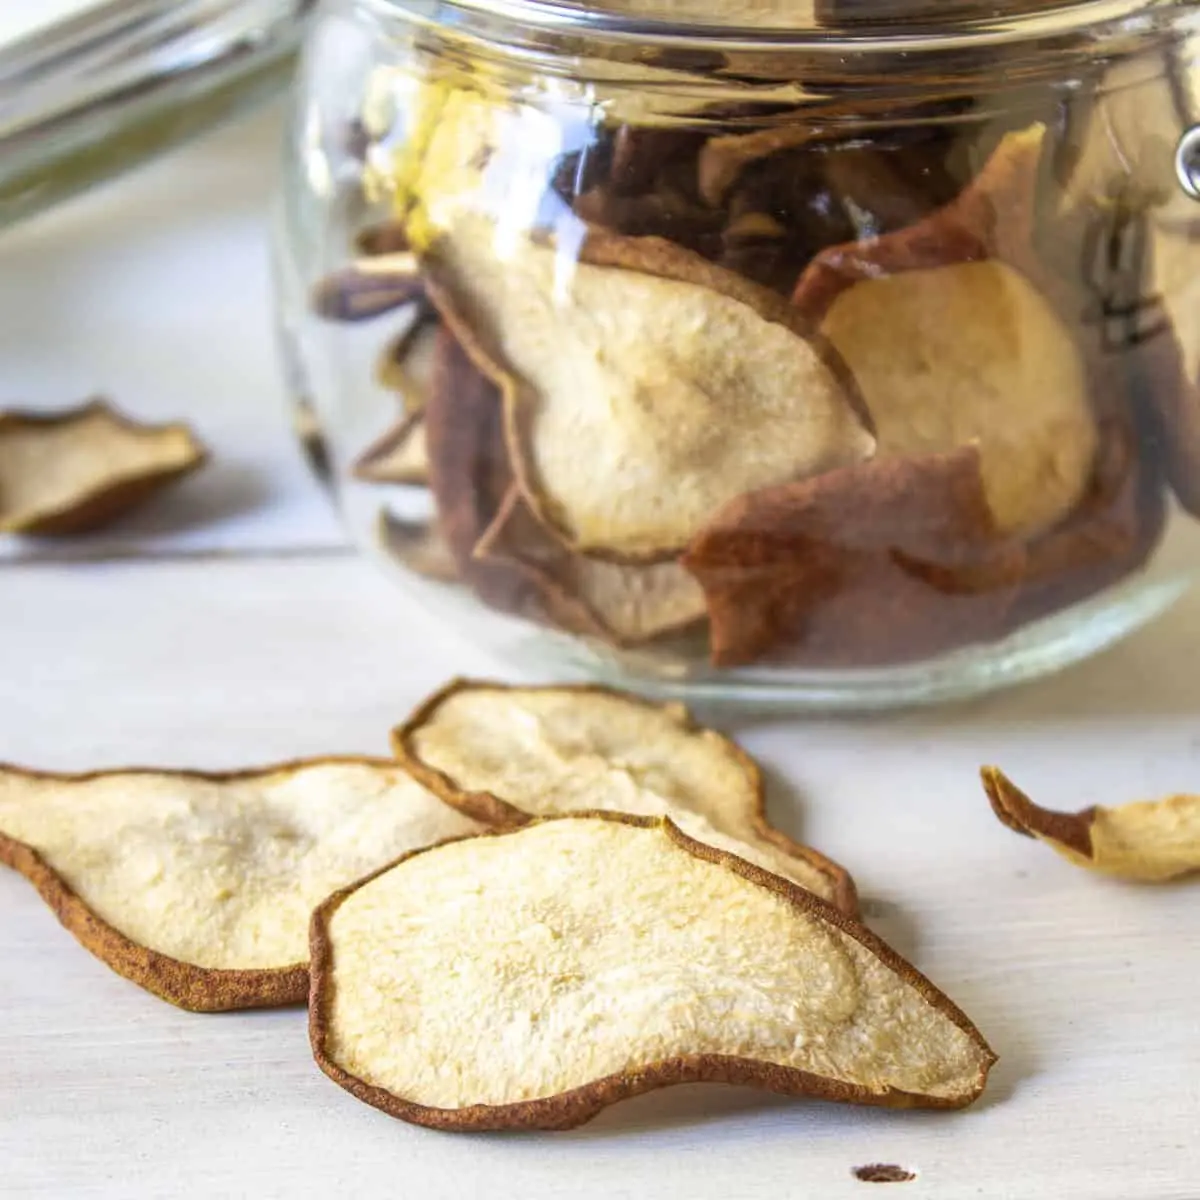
(233, 625)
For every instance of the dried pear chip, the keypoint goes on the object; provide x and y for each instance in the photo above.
(1150, 841)
(896, 558)
(400, 456)
(509, 753)
(406, 365)
(726, 156)
(974, 354)
(684, 384)
(950, 332)
(527, 979)
(623, 603)
(74, 471)
(199, 887)
(469, 474)
(369, 288)
(993, 217)
(417, 545)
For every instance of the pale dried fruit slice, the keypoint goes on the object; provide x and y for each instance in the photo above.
(973, 354)
(957, 335)
(74, 471)
(469, 474)
(623, 603)
(417, 545)
(528, 979)
(369, 288)
(509, 753)
(686, 384)
(891, 560)
(199, 887)
(400, 456)
(406, 365)
(1150, 841)
(726, 156)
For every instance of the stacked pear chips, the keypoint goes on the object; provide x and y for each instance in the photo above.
(556, 897)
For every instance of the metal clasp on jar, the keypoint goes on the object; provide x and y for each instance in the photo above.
(1187, 162)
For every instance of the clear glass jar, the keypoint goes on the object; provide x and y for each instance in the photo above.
(845, 365)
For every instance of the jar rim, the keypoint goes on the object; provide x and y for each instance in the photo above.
(900, 26)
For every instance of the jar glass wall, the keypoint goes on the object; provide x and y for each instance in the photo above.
(847, 366)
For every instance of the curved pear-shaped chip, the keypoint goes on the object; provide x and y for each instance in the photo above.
(74, 471)
(625, 604)
(643, 386)
(199, 887)
(400, 456)
(528, 979)
(1149, 841)
(504, 753)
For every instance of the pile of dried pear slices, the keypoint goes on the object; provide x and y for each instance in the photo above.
(552, 898)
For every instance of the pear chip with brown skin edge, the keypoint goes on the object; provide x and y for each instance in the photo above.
(537, 951)
(1148, 841)
(471, 743)
(623, 604)
(141, 866)
(649, 481)
(77, 470)
(401, 455)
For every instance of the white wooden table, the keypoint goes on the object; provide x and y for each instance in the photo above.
(232, 625)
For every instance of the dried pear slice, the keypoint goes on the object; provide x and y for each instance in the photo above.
(1112, 533)
(949, 332)
(894, 559)
(974, 354)
(469, 474)
(957, 334)
(199, 887)
(527, 979)
(505, 753)
(726, 156)
(1150, 841)
(417, 545)
(643, 386)
(400, 456)
(77, 470)
(624, 604)
(369, 288)
(406, 364)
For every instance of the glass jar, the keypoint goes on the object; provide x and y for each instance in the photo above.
(845, 365)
